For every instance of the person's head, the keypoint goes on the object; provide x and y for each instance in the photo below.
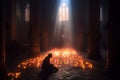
(49, 55)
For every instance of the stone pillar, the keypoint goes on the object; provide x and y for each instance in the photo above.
(79, 40)
(45, 38)
(3, 69)
(11, 20)
(94, 30)
(44, 34)
(45, 25)
(34, 33)
(8, 21)
(114, 50)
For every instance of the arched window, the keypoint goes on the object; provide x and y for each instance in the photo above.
(101, 13)
(27, 13)
(63, 12)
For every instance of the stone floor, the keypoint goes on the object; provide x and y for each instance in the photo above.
(67, 73)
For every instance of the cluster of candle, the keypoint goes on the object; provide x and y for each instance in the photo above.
(14, 75)
(59, 58)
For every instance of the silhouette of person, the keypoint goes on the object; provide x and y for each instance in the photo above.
(47, 67)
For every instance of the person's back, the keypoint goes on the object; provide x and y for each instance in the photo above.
(47, 66)
(46, 63)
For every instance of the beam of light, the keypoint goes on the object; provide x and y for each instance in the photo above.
(61, 57)
(62, 36)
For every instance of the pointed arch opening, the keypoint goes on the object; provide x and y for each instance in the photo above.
(63, 12)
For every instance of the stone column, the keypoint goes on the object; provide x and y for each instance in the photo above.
(79, 40)
(11, 20)
(94, 30)
(114, 49)
(44, 35)
(45, 38)
(45, 25)
(34, 34)
(3, 69)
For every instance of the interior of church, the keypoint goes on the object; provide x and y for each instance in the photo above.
(81, 36)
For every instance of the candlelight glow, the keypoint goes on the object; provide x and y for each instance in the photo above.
(14, 75)
(61, 57)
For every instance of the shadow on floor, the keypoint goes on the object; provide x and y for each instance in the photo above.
(45, 75)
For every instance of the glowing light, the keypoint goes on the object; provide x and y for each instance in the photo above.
(66, 56)
(56, 53)
(14, 74)
(63, 29)
(63, 12)
(27, 13)
(63, 36)
(61, 57)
